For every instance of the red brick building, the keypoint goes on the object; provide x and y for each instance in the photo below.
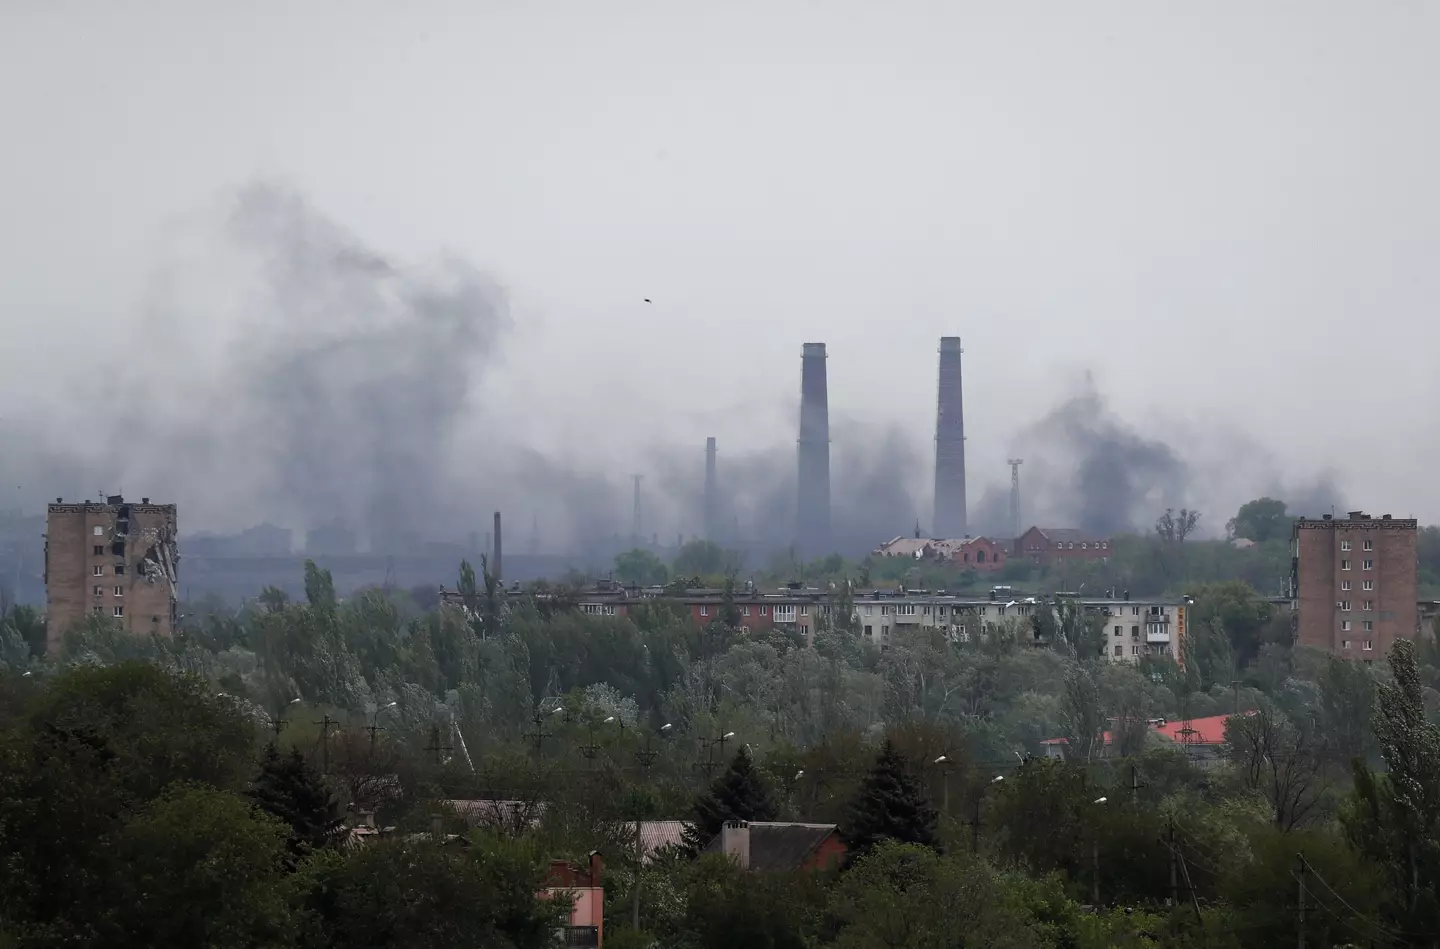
(1354, 583)
(973, 553)
(1046, 545)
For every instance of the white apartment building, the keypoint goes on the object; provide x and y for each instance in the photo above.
(1133, 628)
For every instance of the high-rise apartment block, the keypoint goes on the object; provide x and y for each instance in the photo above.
(1353, 583)
(114, 559)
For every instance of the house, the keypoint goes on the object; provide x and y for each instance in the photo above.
(972, 553)
(1046, 545)
(776, 847)
(915, 548)
(586, 929)
(1201, 739)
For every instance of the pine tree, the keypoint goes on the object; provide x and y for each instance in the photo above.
(289, 789)
(738, 794)
(889, 806)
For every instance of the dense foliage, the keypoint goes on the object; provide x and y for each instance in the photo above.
(192, 791)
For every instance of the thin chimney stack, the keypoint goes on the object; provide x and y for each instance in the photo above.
(712, 498)
(950, 510)
(496, 567)
(813, 470)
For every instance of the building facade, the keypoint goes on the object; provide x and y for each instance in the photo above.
(1047, 545)
(1353, 583)
(114, 559)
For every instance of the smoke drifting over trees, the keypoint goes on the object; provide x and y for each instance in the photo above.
(285, 371)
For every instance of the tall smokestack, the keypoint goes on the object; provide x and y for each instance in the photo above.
(495, 568)
(712, 498)
(950, 445)
(813, 509)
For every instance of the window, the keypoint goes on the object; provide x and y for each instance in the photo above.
(869, 631)
(1134, 611)
(906, 609)
(119, 611)
(99, 610)
(869, 610)
(1368, 585)
(1118, 631)
(1368, 605)
(925, 610)
(591, 608)
(1369, 644)
(939, 611)
(1369, 565)
(609, 610)
(804, 609)
(1344, 584)
(99, 550)
(704, 610)
(119, 570)
(884, 611)
(1344, 545)
(1119, 650)
(1134, 632)
(745, 611)
(99, 531)
(1369, 625)
(1134, 650)
(884, 632)
(1369, 545)
(764, 610)
(119, 591)
(99, 591)
(1344, 565)
(99, 571)
(1344, 644)
(1345, 606)
(1345, 625)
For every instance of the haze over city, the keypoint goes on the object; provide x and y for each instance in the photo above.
(349, 262)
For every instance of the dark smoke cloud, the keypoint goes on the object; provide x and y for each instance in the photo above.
(1085, 467)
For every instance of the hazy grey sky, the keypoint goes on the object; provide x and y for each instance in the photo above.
(1226, 212)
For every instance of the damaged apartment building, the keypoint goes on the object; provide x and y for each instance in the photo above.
(113, 559)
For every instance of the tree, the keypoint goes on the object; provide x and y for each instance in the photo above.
(319, 587)
(1260, 520)
(198, 868)
(738, 794)
(889, 806)
(1393, 818)
(1281, 760)
(642, 568)
(900, 896)
(702, 558)
(479, 891)
(288, 789)
(1173, 527)
(1082, 715)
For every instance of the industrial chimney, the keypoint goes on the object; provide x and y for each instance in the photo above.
(950, 445)
(495, 567)
(712, 499)
(813, 509)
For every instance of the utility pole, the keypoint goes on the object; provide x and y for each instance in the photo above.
(435, 747)
(1095, 873)
(1300, 906)
(539, 734)
(1134, 783)
(373, 730)
(325, 724)
(1015, 464)
(1174, 880)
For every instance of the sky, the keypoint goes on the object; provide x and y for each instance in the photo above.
(1220, 220)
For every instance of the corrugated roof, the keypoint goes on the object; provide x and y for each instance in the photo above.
(781, 847)
(1209, 730)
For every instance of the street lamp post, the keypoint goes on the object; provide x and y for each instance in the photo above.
(1095, 863)
(975, 820)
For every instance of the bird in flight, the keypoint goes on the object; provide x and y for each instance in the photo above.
(647, 299)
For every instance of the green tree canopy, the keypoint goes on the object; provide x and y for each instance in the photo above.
(1261, 520)
(889, 806)
(288, 789)
(739, 794)
(642, 568)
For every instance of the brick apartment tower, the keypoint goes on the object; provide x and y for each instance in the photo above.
(1353, 583)
(115, 559)
(812, 522)
(950, 517)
